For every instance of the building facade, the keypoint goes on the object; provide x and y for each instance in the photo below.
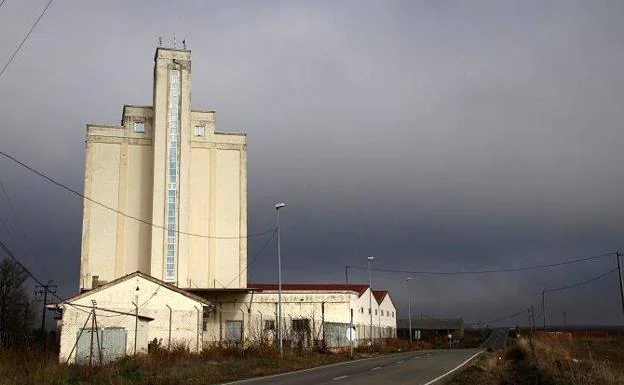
(171, 191)
(164, 243)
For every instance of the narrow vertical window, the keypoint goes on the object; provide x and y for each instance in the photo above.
(172, 175)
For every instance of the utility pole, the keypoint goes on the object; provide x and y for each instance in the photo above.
(41, 292)
(347, 276)
(97, 331)
(409, 307)
(351, 335)
(544, 308)
(370, 297)
(136, 322)
(532, 320)
(279, 279)
(617, 257)
(530, 324)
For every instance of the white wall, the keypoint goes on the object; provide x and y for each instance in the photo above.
(153, 299)
(74, 319)
(262, 306)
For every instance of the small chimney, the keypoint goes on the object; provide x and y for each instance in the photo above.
(95, 281)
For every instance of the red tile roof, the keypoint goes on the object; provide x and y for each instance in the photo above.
(380, 295)
(360, 289)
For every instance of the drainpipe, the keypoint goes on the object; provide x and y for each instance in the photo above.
(198, 327)
(242, 325)
(136, 323)
(170, 314)
(220, 323)
(323, 323)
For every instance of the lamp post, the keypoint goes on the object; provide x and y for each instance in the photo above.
(279, 279)
(409, 307)
(370, 297)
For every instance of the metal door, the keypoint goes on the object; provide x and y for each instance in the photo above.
(83, 346)
(114, 340)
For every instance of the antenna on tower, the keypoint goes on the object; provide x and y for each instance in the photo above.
(174, 40)
(184, 43)
(160, 41)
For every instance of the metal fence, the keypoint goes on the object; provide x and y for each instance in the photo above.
(242, 328)
(9, 341)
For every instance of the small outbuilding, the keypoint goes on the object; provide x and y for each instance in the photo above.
(121, 317)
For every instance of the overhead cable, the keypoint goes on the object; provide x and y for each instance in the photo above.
(577, 284)
(253, 259)
(507, 270)
(76, 192)
(32, 28)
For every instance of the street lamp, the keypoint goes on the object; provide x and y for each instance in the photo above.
(409, 307)
(370, 297)
(279, 279)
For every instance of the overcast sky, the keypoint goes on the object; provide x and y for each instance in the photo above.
(444, 135)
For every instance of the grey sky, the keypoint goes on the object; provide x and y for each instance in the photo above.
(434, 135)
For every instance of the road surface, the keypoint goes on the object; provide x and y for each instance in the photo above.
(423, 367)
(497, 339)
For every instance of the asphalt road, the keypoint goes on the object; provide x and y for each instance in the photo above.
(417, 368)
(497, 339)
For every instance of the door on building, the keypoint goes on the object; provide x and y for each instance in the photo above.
(111, 342)
(114, 341)
(301, 333)
(85, 339)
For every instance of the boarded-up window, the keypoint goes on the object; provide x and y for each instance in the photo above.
(269, 325)
(233, 330)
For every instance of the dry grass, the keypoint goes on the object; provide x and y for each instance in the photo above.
(483, 370)
(578, 362)
(549, 362)
(162, 367)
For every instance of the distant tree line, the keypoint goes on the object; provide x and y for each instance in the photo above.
(17, 308)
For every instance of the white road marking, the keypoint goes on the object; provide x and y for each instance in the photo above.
(375, 368)
(339, 378)
(400, 362)
(452, 370)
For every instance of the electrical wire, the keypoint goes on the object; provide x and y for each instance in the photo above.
(75, 192)
(2, 3)
(501, 318)
(17, 219)
(32, 28)
(535, 267)
(254, 258)
(33, 276)
(577, 284)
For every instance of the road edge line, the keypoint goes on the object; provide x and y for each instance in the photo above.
(454, 369)
(319, 367)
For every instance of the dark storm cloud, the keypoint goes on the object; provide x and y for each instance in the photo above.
(435, 135)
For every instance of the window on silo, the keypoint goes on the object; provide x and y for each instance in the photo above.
(200, 130)
(139, 127)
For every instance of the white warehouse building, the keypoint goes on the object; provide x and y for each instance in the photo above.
(164, 242)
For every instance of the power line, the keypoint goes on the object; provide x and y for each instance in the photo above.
(501, 318)
(2, 3)
(19, 223)
(253, 259)
(535, 267)
(75, 192)
(581, 282)
(33, 276)
(26, 37)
